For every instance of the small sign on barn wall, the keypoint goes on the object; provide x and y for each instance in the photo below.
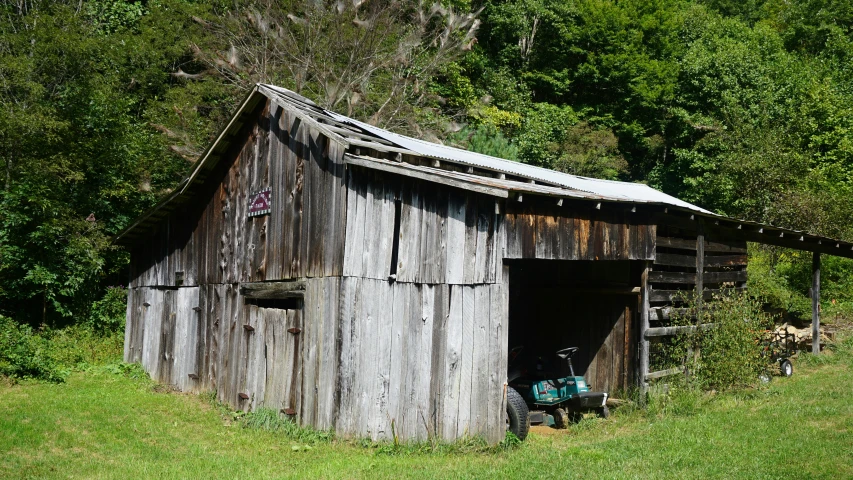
(260, 203)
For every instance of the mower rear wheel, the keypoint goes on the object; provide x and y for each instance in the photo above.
(786, 368)
(517, 414)
(561, 419)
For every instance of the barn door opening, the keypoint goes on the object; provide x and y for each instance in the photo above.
(591, 305)
(274, 356)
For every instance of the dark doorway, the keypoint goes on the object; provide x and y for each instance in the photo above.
(587, 304)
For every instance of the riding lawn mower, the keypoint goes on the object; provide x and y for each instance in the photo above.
(545, 398)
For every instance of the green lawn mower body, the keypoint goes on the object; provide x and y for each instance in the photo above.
(554, 400)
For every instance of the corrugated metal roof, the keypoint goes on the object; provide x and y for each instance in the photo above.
(625, 191)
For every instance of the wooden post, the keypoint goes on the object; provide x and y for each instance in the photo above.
(700, 284)
(700, 271)
(816, 303)
(644, 326)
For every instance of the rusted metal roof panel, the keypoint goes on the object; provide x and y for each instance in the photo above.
(622, 191)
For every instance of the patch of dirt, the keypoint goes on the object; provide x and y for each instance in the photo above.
(163, 388)
(546, 431)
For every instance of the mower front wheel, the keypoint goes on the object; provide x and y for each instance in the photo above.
(603, 412)
(561, 419)
(517, 414)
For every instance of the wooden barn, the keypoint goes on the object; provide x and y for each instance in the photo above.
(370, 283)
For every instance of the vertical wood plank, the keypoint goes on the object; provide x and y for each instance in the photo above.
(465, 424)
(498, 315)
(644, 325)
(480, 256)
(276, 172)
(352, 247)
(415, 323)
(384, 326)
(424, 411)
(186, 339)
(470, 247)
(296, 148)
(455, 268)
(309, 183)
(478, 306)
(347, 357)
(438, 360)
(329, 353)
(369, 341)
(454, 332)
(408, 266)
(399, 359)
(312, 331)
(131, 322)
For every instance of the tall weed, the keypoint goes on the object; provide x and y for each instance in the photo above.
(269, 420)
(731, 353)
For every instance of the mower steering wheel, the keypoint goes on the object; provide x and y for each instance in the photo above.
(567, 352)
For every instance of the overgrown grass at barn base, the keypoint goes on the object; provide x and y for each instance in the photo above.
(110, 422)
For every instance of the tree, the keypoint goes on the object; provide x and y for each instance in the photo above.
(371, 59)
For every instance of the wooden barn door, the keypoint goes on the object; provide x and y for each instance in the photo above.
(274, 359)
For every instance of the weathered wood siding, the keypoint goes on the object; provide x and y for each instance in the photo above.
(539, 228)
(420, 360)
(445, 235)
(211, 338)
(214, 241)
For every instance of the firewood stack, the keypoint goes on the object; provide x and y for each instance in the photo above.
(803, 336)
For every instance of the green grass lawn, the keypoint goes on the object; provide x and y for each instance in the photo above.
(106, 425)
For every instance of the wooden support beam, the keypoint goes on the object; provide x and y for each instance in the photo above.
(664, 373)
(683, 295)
(689, 244)
(690, 278)
(661, 314)
(725, 260)
(672, 277)
(644, 326)
(737, 276)
(273, 290)
(816, 303)
(668, 331)
(700, 269)
(675, 260)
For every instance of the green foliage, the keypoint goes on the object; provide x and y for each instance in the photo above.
(728, 354)
(543, 128)
(85, 94)
(50, 355)
(80, 346)
(108, 314)
(590, 152)
(25, 354)
(110, 16)
(486, 139)
(782, 279)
